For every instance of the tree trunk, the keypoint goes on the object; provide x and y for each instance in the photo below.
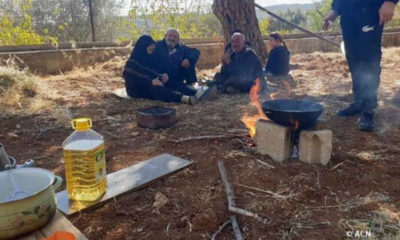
(240, 14)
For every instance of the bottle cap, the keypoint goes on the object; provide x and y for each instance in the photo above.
(81, 124)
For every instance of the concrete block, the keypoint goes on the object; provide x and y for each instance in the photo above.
(315, 147)
(273, 140)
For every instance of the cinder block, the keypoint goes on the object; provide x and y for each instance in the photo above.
(315, 146)
(273, 140)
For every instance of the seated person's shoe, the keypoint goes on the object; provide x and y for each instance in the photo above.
(191, 100)
(353, 110)
(366, 121)
(207, 93)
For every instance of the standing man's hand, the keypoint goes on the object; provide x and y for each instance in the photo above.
(329, 19)
(185, 63)
(386, 12)
(226, 58)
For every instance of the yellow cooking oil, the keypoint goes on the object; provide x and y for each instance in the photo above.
(85, 162)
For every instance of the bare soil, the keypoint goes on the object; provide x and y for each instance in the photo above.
(357, 191)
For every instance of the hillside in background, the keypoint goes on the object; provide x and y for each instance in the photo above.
(285, 7)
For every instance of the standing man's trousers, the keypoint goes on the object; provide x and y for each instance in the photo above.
(362, 36)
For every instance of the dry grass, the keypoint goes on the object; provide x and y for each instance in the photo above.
(17, 88)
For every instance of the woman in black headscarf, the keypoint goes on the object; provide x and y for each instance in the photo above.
(143, 81)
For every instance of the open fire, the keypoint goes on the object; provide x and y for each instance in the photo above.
(251, 120)
(247, 119)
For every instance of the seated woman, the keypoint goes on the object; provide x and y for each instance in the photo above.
(277, 68)
(143, 81)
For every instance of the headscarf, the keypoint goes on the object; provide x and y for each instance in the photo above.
(140, 51)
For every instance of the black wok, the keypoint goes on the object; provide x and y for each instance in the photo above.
(287, 111)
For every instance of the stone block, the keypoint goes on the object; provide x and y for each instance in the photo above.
(315, 147)
(273, 140)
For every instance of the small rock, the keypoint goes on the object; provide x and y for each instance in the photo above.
(130, 126)
(235, 153)
(160, 200)
(135, 134)
(13, 135)
(206, 220)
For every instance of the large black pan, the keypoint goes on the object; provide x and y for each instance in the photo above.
(287, 111)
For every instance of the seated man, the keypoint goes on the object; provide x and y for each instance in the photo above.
(177, 59)
(241, 67)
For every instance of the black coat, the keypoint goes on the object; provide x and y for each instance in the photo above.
(278, 61)
(244, 64)
(171, 64)
(140, 70)
(351, 8)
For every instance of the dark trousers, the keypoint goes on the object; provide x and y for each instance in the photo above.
(241, 84)
(159, 93)
(362, 36)
(179, 86)
(188, 75)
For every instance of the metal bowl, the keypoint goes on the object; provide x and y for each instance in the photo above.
(156, 117)
(289, 112)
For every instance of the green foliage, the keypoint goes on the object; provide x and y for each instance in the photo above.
(264, 26)
(297, 17)
(21, 33)
(154, 17)
(317, 16)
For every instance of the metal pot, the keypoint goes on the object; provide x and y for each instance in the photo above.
(288, 111)
(28, 214)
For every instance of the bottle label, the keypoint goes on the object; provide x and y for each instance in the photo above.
(100, 164)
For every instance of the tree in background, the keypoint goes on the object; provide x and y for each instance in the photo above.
(193, 19)
(19, 32)
(66, 20)
(297, 17)
(240, 14)
(316, 16)
(264, 26)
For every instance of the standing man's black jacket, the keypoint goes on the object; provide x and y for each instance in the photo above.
(351, 7)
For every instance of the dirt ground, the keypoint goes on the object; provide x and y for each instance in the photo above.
(357, 191)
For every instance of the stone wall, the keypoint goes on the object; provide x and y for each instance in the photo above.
(53, 61)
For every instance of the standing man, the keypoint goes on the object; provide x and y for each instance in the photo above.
(176, 58)
(362, 24)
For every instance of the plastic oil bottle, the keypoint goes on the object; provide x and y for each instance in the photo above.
(85, 162)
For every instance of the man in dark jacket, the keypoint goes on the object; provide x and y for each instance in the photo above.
(362, 26)
(177, 59)
(241, 67)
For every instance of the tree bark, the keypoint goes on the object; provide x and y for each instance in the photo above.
(240, 14)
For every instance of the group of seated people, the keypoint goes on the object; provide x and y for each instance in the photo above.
(165, 70)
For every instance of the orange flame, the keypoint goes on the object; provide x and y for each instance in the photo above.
(275, 94)
(251, 121)
(294, 123)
